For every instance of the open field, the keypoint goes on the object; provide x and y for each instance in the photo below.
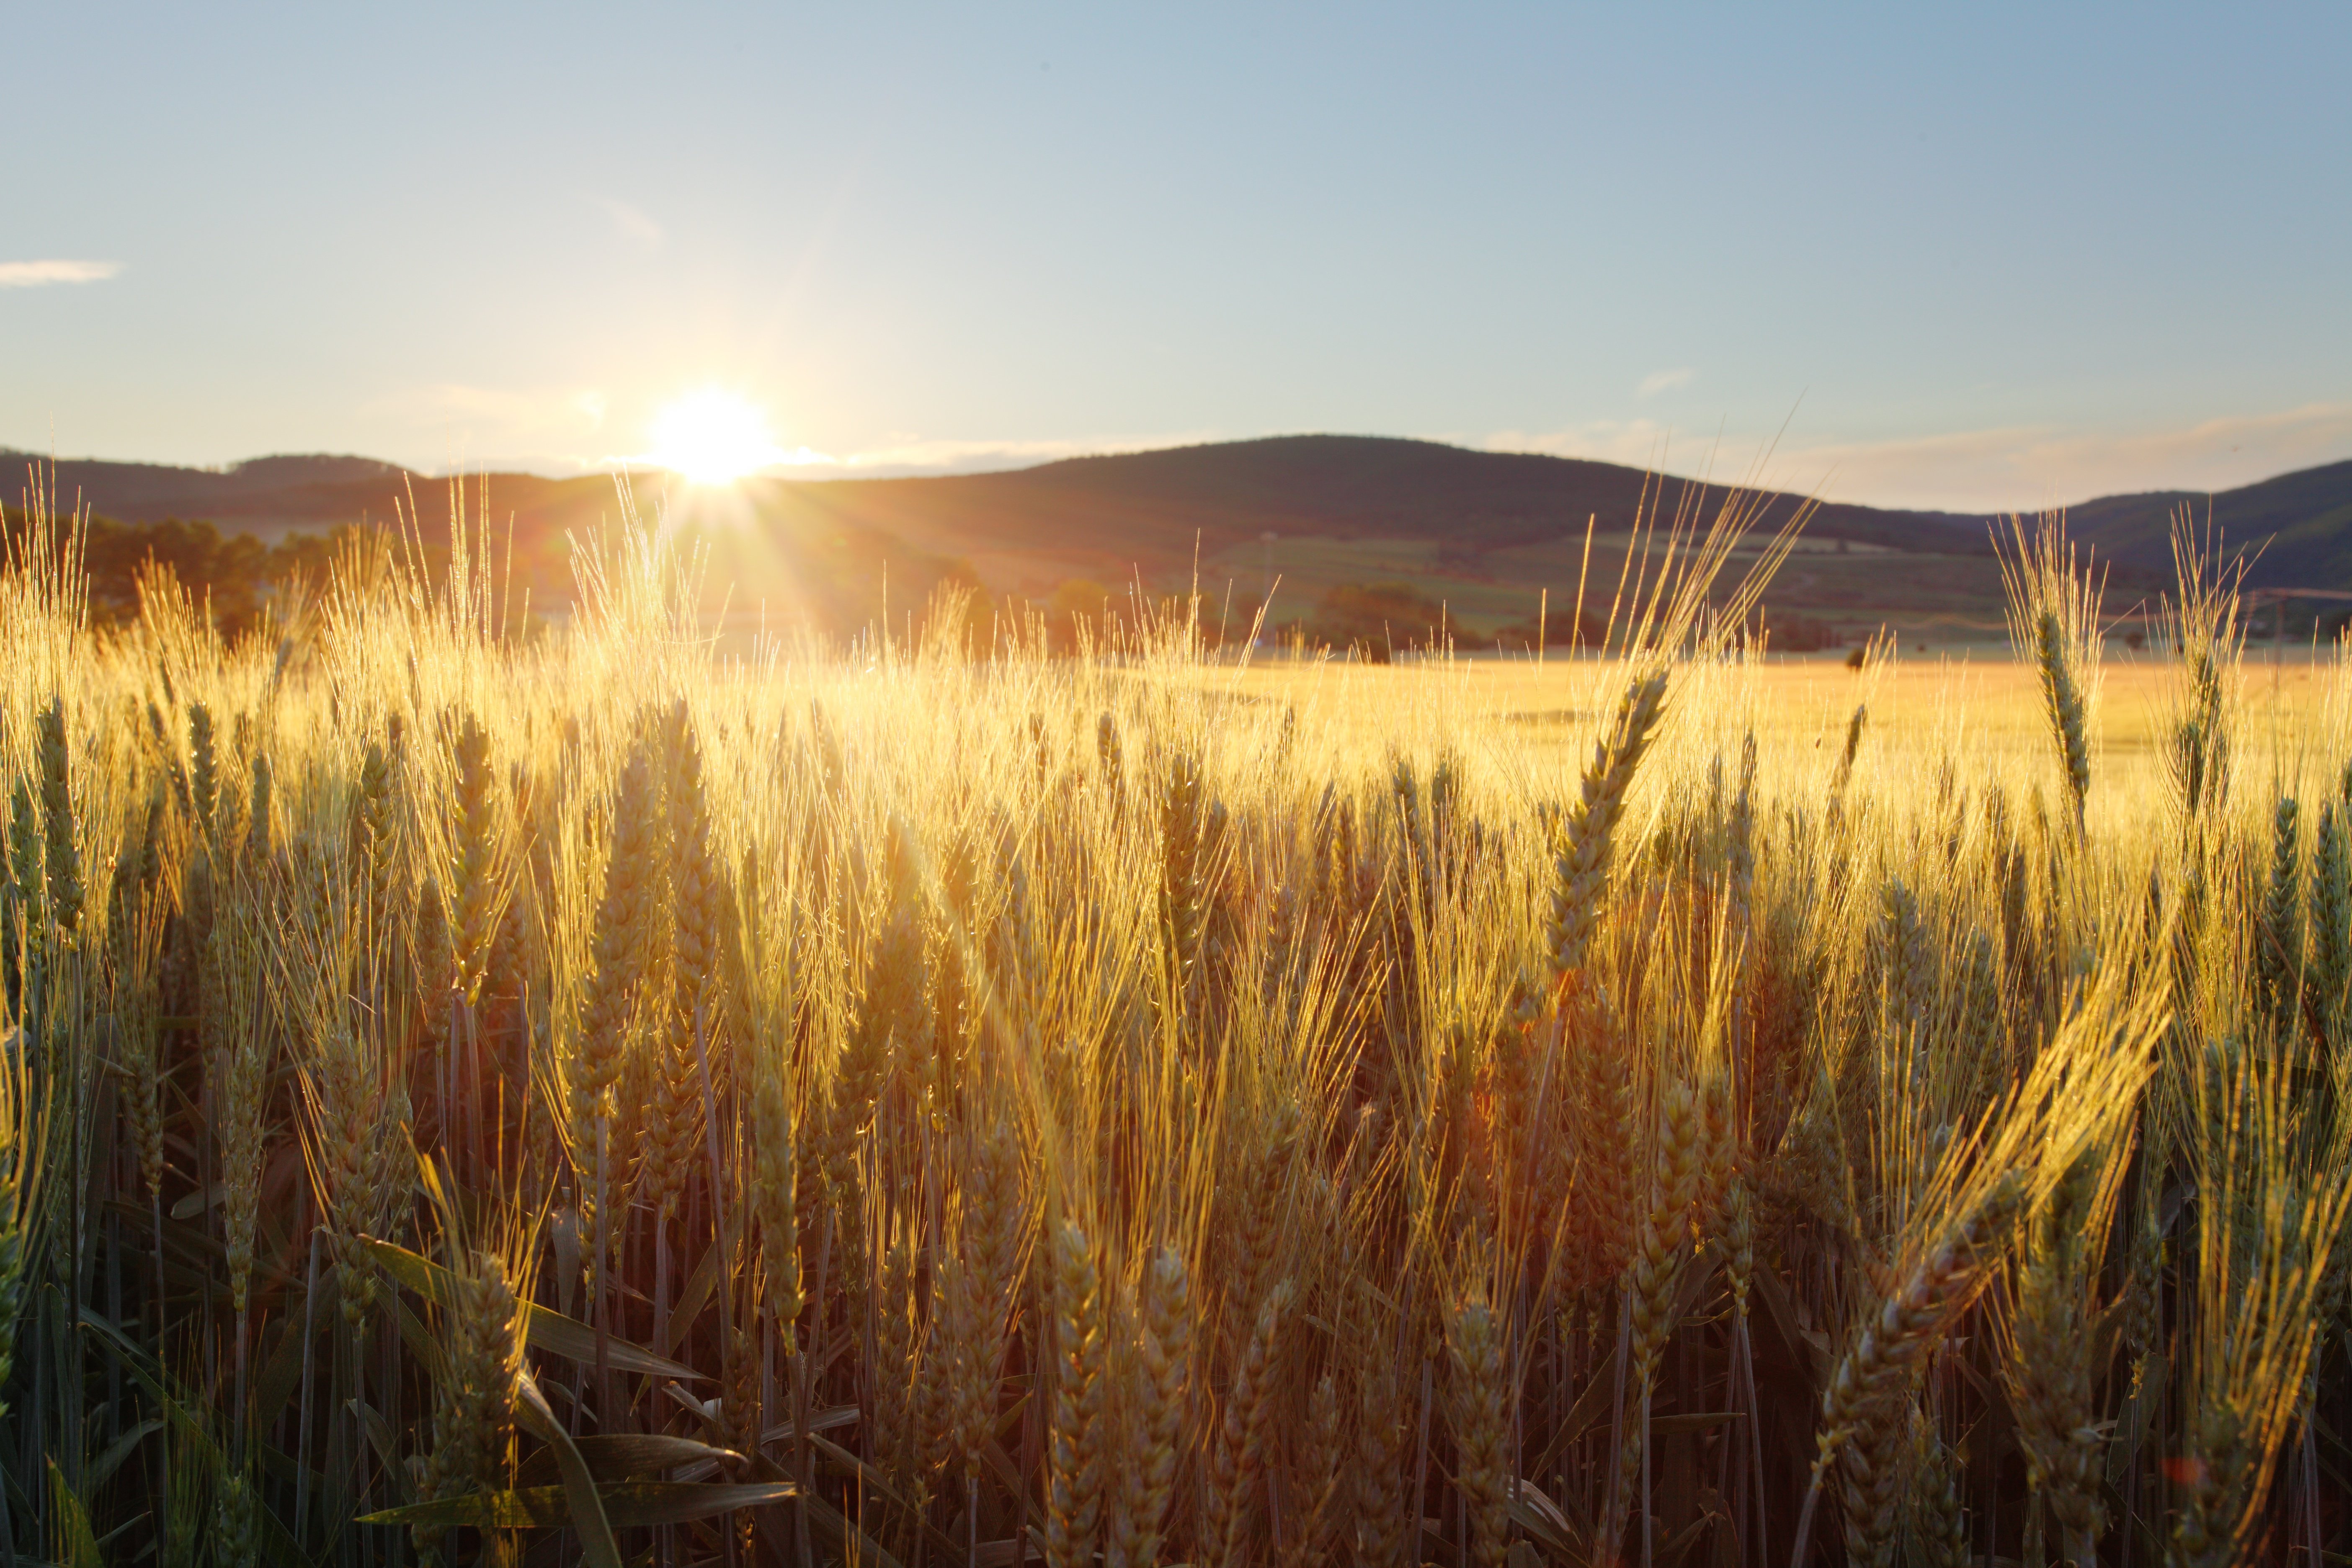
(1982, 705)
(472, 1099)
(1945, 598)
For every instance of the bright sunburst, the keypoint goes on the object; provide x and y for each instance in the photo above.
(713, 438)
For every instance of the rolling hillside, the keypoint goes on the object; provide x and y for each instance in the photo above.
(1147, 509)
(1483, 531)
(2297, 528)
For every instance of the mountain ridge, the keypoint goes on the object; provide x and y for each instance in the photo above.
(1152, 511)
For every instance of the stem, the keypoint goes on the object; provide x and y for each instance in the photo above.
(1613, 1516)
(1648, 1524)
(661, 1279)
(302, 1443)
(2310, 1493)
(799, 1442)
(1805, 1517)
(1755, 1433)
(245, 1438)
(603, 1317)
(801, 1371)
(1420, 1464)
(718, 1189)
(162, 1316)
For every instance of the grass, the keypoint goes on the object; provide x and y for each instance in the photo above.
(480, 1099)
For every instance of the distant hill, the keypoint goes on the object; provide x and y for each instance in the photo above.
(2295, 528)
(261, 495)
(1478, 529)
(1152, 506)
(264, 493)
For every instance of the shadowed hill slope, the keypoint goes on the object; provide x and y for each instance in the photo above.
(1145, 509)
(2296, 529)
(1484, 517)
(1152, 506)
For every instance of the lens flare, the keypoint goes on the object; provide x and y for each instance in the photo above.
(714, 438)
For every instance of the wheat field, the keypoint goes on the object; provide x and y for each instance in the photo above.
(591, 1096)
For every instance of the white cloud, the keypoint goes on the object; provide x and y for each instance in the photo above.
(904, 455)
(781, 462)
(2032, 467)
(633, 222)
(539, 427)
(1659, 381)
(569, 429)
(915, 456)
(2020, 467)
(34, 274)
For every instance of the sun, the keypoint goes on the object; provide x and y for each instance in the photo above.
(714, 438)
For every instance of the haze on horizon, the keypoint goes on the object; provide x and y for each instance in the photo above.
(2009, 256)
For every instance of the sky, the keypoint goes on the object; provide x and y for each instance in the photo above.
(1983, 257)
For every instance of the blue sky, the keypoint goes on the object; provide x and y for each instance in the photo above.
(1981, 255)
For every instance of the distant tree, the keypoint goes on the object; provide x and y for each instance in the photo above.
(1381, 615)
(1229, 622)
(231, 575)
(230, 570)
(1798, 633)
(1081, 610)
(1560, 628)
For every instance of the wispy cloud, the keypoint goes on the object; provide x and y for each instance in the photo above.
(781, 462)
(2030, 467)
(633, 222)
(903, 456)
(560, 429)
(36, 274)
(1659, 381)
(913, 454)
(540, 427)
(2023, 468)
(2020, 467)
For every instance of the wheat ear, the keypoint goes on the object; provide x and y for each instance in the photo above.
(1868, 1392)
(1656, 1268)
(1158, 1371)
(1075, 1478)
(1240, 1451)
(1473, 1344)
(1381, 1508)
(1581, 873)
(61, 858)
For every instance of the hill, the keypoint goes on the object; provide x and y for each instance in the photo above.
(263, 495)
(1153, 506)
(1147, 508)
(2296, 529)
(1481, 533)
